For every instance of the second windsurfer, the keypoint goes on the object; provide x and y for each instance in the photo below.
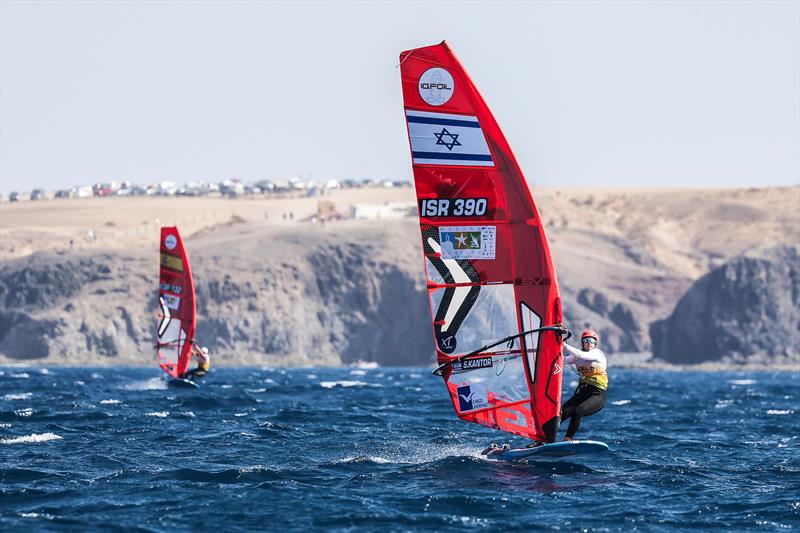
(203, 363)
(590, 396)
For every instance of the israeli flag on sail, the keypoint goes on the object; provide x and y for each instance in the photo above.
(445, 139)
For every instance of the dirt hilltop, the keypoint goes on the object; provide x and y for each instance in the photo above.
(78, 276)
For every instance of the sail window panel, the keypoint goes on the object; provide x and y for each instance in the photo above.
(475, 323)
(530, 321)
(171, 343)
(489, 387)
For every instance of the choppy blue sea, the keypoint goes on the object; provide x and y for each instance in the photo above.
(380, 450)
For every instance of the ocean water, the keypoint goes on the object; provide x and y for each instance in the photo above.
(380, 450)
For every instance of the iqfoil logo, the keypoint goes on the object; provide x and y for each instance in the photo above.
(436, 86)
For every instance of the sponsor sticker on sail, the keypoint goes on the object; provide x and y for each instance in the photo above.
(447, 139)
(468, 242)
(170, 261)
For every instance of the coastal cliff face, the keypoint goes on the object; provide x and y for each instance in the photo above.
(297, 299)
(291, 297)
(275, 292)
(747, 310)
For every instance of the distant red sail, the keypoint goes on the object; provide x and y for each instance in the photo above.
(489, 270)
(176, 303)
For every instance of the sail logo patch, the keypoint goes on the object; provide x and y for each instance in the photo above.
(472, 364)
(471, 397)
(447, 139)
(170, 242)
(170, 261)
(436, 86)
(468, 242)
(447, 342)
(172, 302)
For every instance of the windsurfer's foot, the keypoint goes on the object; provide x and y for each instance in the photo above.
(567, 439)
(535, 444)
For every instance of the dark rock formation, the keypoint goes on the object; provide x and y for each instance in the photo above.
(747, 310)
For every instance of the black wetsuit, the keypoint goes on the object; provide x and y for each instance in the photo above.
(586, 401)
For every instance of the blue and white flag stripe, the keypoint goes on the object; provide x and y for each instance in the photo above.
(446, 139)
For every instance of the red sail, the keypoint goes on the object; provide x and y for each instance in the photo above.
(489, 270)
(176, 303)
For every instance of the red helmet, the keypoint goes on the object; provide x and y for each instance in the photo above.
(588, 333)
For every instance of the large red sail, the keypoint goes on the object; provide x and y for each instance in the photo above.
(489, 271)
(176, 303)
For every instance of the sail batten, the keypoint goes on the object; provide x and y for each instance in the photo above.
(489, 271)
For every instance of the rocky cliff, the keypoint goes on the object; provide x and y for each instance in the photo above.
(746, 311)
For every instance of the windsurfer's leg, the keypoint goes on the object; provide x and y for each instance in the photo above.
(589, 406)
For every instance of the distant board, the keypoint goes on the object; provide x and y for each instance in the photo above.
(550, 452)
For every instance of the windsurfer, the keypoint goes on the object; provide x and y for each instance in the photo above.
(203, 363)
(590, 396)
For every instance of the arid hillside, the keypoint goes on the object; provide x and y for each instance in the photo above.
(78, 276)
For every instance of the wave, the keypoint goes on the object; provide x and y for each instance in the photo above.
(110, 402)
(621, 402)
(158, 414)
(33, 438)
(780, 412)
(742, 381)
(343, 383)
(21, 375)
(23, 396)
(149, 384)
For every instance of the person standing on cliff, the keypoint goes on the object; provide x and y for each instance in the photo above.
(590, 396)
(203, 363)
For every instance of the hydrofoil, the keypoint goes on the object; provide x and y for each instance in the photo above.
(181, 383)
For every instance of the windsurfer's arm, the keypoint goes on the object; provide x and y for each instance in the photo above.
(572, 354)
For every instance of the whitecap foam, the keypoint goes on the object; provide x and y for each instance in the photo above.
(81, 383)
(621, 402)
(158, 414)
(37, 515)
(189, 414)
(361, 458)
(256, 391)
(5, 426)
(416, 376)
(149, 384)
(342, 383)
(95, 375)
(240, 414)
(21, 375)
(21, 396)
(311, 376)
(742, 382)
(358, 372)
(780, 412)
(226, 386)
(27, 411)
(110, 402)
(721, 404)
(33, 438)
(269, 381)
(44, 371)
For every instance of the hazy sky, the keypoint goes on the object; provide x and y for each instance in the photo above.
(595, 93)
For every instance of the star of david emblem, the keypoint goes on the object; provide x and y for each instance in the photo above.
(440, 140)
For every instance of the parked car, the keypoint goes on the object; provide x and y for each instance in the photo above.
(38, 194)
(13, 197)
(63, 193)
